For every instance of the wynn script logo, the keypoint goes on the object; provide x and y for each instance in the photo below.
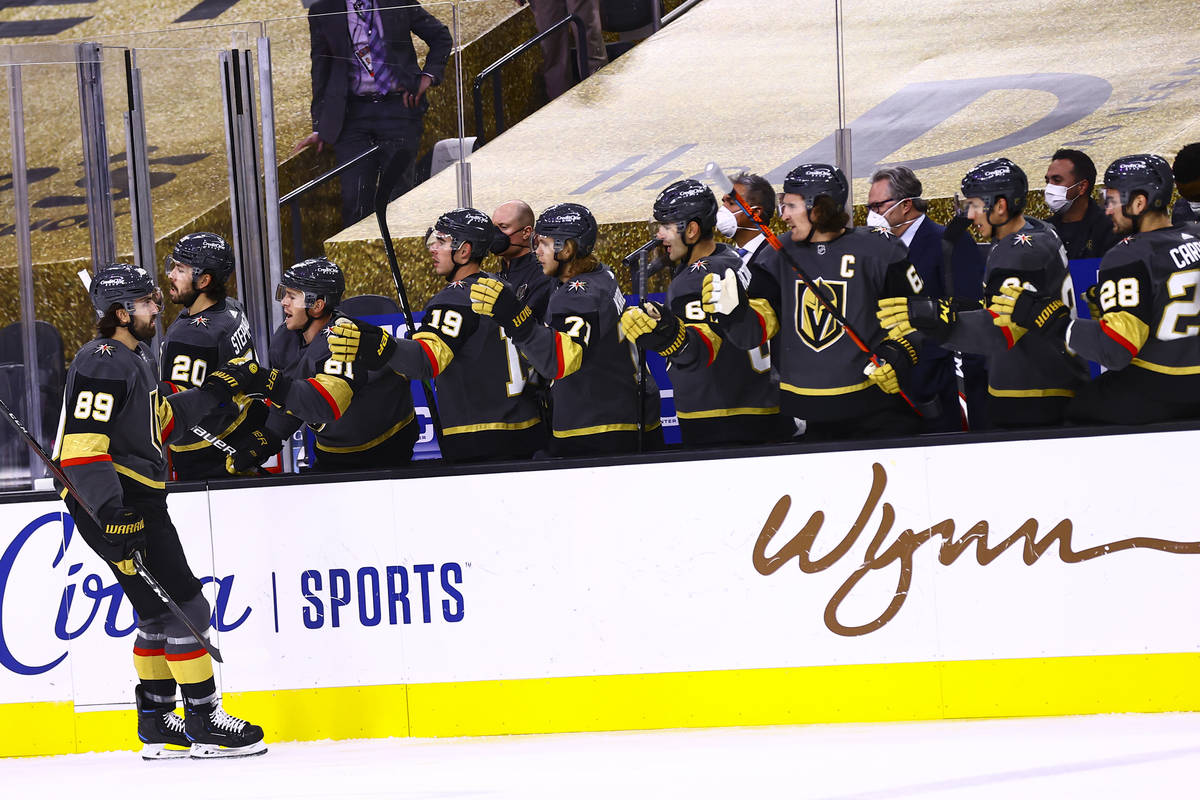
(901, 551)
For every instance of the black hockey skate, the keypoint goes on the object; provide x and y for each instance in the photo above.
(160, 729)
(216, 734)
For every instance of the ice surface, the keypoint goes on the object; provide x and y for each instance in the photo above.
(1110, 756)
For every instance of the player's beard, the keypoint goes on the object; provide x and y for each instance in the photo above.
(142, 330)
(185, 298)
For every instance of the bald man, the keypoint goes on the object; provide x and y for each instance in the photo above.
(518, 266)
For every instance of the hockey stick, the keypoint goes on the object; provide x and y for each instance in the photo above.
(718, 178)
(138, 565)
(957, 356)
(388, 178)
(637, 261)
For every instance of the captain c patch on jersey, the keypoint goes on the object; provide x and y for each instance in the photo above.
(815, 326)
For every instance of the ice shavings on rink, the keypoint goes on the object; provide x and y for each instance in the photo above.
(1111, 756)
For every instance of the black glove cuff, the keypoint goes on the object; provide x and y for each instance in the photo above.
(277, 387)
(932, 316)
(1040, 314)
(899, 352)
(678, 342)
(521, 325)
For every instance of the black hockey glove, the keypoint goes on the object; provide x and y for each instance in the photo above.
(232, 379)
(931, 315)
(654, 327)
(956, 228)
(360, 343)
(1031, 311)
(724, 296)
(123, 534)
(897, 357)
(252, 450)
(493, 298)
(1091, 296)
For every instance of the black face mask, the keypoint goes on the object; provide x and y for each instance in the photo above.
(527, 245)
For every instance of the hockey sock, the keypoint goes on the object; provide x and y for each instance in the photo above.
(189, 662)
(201, 696)
(150, 663)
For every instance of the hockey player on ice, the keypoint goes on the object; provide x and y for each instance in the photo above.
(110, 441)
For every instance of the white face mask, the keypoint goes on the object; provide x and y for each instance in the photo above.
(1195, 207)
(877, 220)
(1056, 196)
(726, 222)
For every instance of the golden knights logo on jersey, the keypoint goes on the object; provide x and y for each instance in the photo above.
(815, 326)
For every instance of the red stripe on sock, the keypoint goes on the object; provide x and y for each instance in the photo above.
(186, 656)
(142, 651)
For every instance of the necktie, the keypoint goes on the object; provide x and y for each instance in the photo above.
(385, 81)
(741, 251)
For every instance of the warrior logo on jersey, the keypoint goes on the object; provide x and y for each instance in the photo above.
(1023, 238)
(457, 285)
(201, 321)
(104, 349)
(698, 266)
(815, 326)
(576, 286)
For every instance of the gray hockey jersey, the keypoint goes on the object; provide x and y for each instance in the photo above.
(1029, 377)
(722, 393)
(1149, 296)
(594, 368)
(347, 410)
(192, 346)
(114, 422)
(482, 391)
(821, 374)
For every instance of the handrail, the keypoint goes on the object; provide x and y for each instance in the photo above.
(333, 173)
(683, 7)
(497, 98)
(293, 197)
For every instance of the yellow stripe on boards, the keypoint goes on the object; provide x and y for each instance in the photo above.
(1015, 687)
(37, 729)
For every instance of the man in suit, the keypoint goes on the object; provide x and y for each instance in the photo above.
(894, 202)
(368, 88)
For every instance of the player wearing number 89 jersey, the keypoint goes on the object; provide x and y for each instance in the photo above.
(1148, 297)
(210, 330)
(110, 445)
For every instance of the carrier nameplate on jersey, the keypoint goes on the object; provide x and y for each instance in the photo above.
(815, 325)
